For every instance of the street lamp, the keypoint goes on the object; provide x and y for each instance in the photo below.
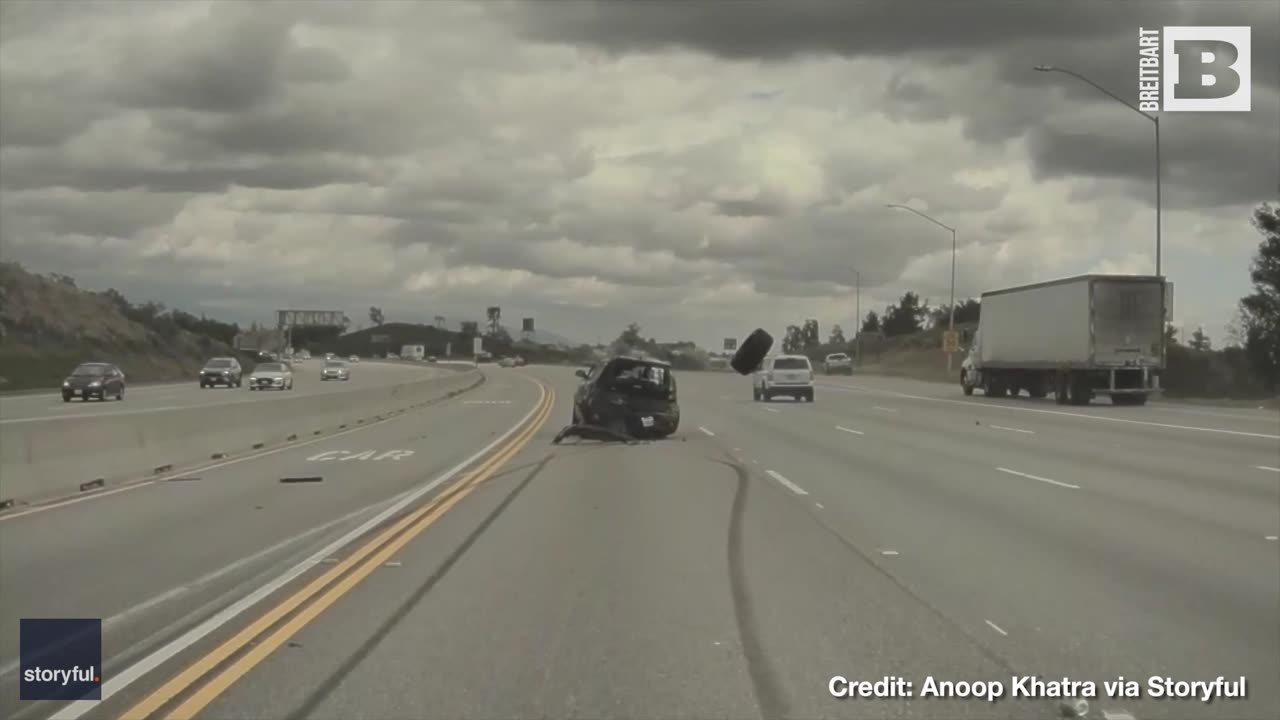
(951, 326)
(857, 314)
(1155, 120)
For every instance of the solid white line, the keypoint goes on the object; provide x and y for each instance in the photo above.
(1264, 467)
(172, 593)
(771, 409)
(188, 471)
(857, 388)
(787, 483)
(706, 431)
(996, 628)
(1036, 477)
(1001, 427)
(131, 674)
(845, 429)
(73, 501)
(256, 397)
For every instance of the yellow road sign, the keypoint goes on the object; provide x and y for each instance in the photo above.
(951, 341)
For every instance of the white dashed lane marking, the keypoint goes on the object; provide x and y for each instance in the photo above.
(787, 483)
(1017, 430)
(1038, 478)
(996, 628)
(851, 432)
(706, 431)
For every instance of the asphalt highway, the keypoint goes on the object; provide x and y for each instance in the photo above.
(151, 398)
(889, 529)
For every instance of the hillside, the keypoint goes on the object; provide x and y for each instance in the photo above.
(48, 326)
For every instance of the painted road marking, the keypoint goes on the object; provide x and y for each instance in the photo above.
(889, 552)
(787, 483)
(1037, 477)
(1014, 408)
(363, 455)
(110, 622)
(845, 429)
(131, 674)
(706, 431)
(996, 628)
(772, 409)
(1271, 469)
(820, 506)
(1273, 537)
(1017, 430)
(486, 402)
(258, 638)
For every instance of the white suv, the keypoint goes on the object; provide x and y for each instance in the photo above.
(783, 375)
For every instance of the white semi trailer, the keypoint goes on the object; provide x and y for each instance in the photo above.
(1078, 338)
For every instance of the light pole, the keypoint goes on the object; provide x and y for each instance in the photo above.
(1155, 120)
(857, 314)
(951, 325)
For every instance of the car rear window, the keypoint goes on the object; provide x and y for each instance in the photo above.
(335, 363)
(219, 362)
(641, 377)
(90, 370)
(841, 356)
(791, 364)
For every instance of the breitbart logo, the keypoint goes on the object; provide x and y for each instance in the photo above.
(1194, 69)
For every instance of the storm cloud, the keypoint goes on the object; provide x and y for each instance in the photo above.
(694, 166)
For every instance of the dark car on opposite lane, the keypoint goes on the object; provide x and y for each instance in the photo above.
(222, 371)
(633, 395)
(94, 380)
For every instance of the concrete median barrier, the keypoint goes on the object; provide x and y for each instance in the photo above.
(44, 459)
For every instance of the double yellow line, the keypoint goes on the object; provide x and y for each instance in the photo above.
(325, 590)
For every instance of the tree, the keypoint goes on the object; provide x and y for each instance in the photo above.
(1261, 308)
(1170, 334)
(837, 336)
(793, 341)
(375, 316)
(905, 317)
(1199, 341)
(629, 339)
(872, 323)
(809, 333)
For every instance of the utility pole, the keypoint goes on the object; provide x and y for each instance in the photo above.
(857, 319)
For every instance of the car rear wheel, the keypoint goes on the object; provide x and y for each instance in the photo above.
(120, 394)
(66, 397)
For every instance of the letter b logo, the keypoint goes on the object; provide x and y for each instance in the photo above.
(1207, 69)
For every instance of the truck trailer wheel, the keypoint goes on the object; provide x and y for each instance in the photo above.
(964, 383)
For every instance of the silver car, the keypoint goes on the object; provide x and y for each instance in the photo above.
(335, 370)
(271, 376)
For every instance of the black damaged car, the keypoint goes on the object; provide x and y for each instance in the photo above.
(630, 395)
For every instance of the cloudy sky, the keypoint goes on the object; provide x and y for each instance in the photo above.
(701, 168)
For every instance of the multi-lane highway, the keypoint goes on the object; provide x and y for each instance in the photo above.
(452, 563)
(43, 407)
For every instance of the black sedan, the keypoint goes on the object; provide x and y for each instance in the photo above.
(94, 380)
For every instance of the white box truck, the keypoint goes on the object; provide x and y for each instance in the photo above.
(1078, 338)
(413, 352)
